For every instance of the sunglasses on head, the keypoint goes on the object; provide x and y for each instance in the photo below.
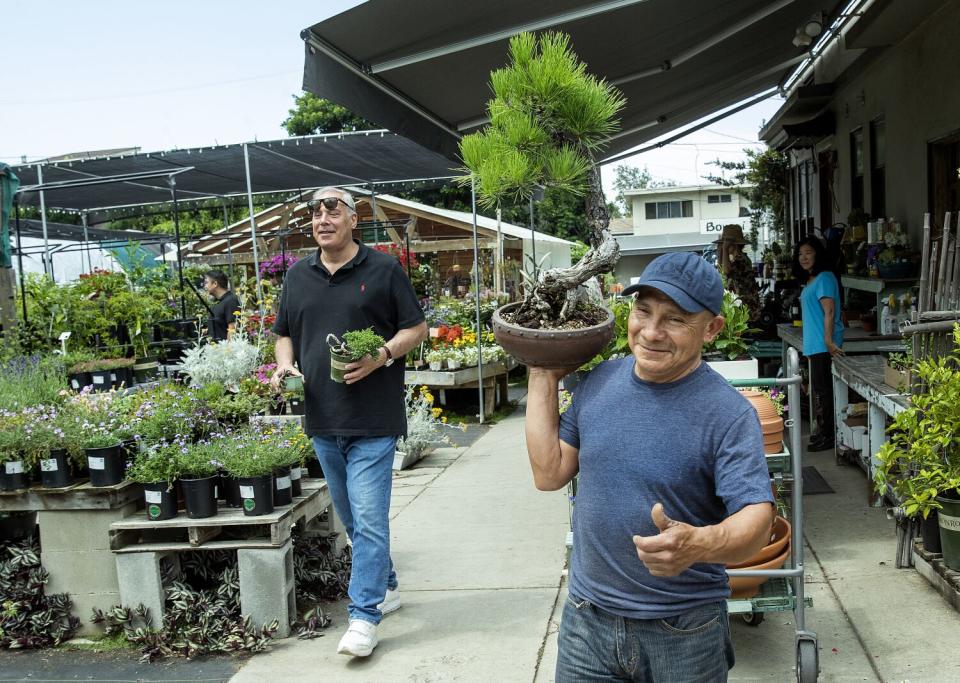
(329, 203)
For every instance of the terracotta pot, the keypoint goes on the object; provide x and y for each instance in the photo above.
(771, 424)
(551, 348)
(779, 538)
(748, 586)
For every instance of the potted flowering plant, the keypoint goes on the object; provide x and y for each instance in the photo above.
(727, 353)
(156, 468)
(275, 266)
(453, 357)
(197, 470)
(355, 345)
(424, 425)
(435, 357)
(15, 446)
(250, 457)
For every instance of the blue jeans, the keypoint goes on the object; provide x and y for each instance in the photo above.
(692, 647)
(359, 473)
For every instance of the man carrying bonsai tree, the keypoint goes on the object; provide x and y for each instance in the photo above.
(224, 315)
(673, 485)
(341, 287)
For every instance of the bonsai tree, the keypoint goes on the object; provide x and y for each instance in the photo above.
(359, 343)
(548, 120)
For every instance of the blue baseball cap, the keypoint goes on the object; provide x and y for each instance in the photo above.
(692, 283)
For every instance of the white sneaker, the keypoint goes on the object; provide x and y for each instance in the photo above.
(391, 603)
(359, 640)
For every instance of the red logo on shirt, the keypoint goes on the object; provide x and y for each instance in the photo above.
(363, 287)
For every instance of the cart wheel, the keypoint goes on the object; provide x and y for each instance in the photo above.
(808, 665)
(752, 618)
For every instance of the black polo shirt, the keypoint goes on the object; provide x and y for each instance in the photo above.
(370, 291)
(223, 314)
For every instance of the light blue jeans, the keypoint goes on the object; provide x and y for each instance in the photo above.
(594, 645)
(359, 473)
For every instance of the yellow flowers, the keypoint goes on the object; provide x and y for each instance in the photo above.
(469, 338)
(436, 412)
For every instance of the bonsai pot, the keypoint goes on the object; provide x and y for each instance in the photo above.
(551, 348)
(106, 465)
(161, 501)
(256, 494)
(282, 486)
(314, 468)
(13, 476)
(200, 496)
(146, 369)
(79, 380)
(295, 486)
(338, 365)
(55, 470)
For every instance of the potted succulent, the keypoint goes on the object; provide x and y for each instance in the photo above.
(355, 345)
(156, 469)
(549, 119)
(920, 463)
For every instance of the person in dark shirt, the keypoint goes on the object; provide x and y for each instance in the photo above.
(345, 286)
(224, 317)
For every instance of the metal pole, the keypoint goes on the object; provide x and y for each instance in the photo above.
(253, 228)
(43, 220)
(498, 257)
(86, 242)
(23, 288)
(406, 237)
(476, 277)
(176, 233)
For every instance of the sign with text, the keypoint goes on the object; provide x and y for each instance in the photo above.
(714, 226)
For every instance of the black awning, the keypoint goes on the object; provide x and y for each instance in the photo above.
(815, 128)
(422, 70)
(368, 157)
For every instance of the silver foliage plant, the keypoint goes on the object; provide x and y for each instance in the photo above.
(226, 362)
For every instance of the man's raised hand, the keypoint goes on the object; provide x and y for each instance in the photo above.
(671, 551)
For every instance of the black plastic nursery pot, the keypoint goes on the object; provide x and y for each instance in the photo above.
(948, 518)
(102, 380)
(930, 533)
(55, 470)
(14, 475)
(79, 380)
(295, 488)
(231, 491)
(314, 468)
(296, 406)
(257, 495)
(107, 465)
(161, 500)
(146, 369)
(200, 496)
(282, 486)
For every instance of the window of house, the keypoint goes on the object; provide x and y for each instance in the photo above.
(678, 209)
(878, 171)
(856, 169)
(718, 199)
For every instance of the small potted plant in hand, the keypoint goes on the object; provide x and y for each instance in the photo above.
(356, 345)
(156, 469)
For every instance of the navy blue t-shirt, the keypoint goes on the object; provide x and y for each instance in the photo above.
(694, 445)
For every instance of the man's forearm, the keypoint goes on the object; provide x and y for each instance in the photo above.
(542, 425)
(406, 339)
(283, 349)
(739, 536)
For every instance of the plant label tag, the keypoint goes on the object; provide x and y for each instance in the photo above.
(96, 463)
(283, 483)
(153, 497)
(113, 377)
(16, 467)
(246, 492)
(48, 465)
(216, 492)
(295, 473)
(75, 384)
(98, 379)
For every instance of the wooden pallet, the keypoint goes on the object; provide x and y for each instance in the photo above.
(229, 526)
(78, 496)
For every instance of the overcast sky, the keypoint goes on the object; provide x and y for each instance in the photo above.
(102, 74)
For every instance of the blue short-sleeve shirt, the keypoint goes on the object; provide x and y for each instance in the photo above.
(824, 285)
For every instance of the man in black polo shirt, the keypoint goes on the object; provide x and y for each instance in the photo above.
(346, 286)
(224, 316)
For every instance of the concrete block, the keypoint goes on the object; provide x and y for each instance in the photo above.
(83, 605)
(267, 587)
(89, 571)
(62, 530)
(328, 524)
(141, 581)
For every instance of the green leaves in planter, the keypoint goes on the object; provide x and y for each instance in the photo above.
(360, 343)
(198, 460)
(157, 464)
(731, 341)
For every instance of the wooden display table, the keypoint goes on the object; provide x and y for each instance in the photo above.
(494, 381)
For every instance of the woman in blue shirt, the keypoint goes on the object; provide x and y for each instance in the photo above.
(822, 331)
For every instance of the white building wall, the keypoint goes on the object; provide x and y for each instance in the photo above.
(702, 210)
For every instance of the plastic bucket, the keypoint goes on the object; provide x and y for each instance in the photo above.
(200, 496)
(161, 501)
(257, 495)
(55, 470)
(949, 520)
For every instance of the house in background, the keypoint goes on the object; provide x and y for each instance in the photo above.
(682, 218)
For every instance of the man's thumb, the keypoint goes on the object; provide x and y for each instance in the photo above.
(660, 518)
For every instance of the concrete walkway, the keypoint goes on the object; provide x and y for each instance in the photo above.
(481, 558)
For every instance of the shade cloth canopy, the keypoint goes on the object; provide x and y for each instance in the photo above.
(422, 70)
(378, 157)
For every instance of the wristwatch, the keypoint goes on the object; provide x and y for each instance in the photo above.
(387, 363)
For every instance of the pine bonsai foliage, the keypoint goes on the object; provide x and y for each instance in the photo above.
(549, 119)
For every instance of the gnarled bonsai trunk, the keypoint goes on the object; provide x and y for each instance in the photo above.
(554, 296)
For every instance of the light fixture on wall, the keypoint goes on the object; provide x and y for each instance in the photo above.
(808, 30)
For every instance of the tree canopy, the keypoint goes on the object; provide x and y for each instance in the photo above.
(312, 115)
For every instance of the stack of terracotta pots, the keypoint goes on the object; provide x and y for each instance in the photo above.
(771, 556)
(771, 424)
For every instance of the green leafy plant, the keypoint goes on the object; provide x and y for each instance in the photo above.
(360, 343)
(252, 452)
(921, 460)
(619, 344)
(32, 381)
(731, 341)
(157, 464)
